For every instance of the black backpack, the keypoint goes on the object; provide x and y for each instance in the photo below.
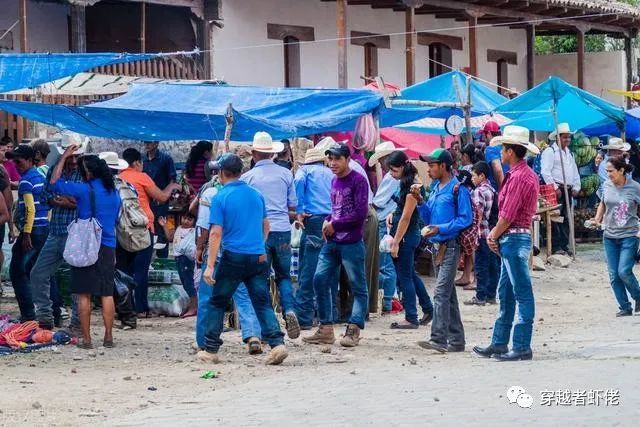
(493, 215)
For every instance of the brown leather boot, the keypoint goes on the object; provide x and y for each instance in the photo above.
(324, 335)
(351, 336)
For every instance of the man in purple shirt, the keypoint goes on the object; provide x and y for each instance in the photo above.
(343, 231)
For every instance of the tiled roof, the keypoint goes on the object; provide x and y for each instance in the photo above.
(600, 5)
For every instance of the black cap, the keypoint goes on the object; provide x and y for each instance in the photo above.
(439, 155)
(227, 162)
(338, 150)
(22, 151)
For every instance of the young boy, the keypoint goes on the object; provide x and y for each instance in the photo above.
(184, 251)
(487, 263)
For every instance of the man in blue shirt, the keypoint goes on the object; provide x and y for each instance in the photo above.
(275, 183)
(239, 225)
(313, 189)
(447, 211)
(492, 154)
(33, 224)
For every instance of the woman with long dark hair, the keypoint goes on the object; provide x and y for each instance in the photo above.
(619, 214)
(104, 206)
(194, 172)
(405, 229)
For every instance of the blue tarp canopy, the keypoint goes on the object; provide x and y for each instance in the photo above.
(632, 124)
(581, 109)
(448, 87)
(180, 111)
(24, 70)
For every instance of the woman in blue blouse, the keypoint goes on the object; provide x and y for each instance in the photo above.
(97, 279)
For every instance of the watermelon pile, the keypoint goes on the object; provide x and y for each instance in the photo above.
(589, 185)
(583, 148)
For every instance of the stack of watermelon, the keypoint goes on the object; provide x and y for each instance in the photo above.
(584, 150)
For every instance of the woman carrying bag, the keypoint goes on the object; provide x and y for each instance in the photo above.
(97, 278)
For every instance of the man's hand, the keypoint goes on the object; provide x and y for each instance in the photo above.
(300, 218)
(65, 202)
(199, 253)
(208, 276)
(389, 221)
(12, 235)
(327, 229)
(492, 242)
(395, 247)
(26, 242)
(431, 230)
(162, 221)
(69, 151)
(415, 193)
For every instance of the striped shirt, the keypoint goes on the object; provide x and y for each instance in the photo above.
(32, 182)
(518, 197)
(483, 197)
(199, 177)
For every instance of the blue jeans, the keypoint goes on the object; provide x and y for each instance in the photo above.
(278, 249)
(409, 282)
(351, 256)
(43, 286)
(387, 276)
(136, 265)
(447, 327)
(487, 267)
(249, 323)
(621, 255)
(515, 288)
(22, 263)
(310, 246)
(185, 271)
(233, 269)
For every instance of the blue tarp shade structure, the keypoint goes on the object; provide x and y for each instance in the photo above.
(581, 109)
(632, 124)
(24, 70)
(448, 87)
(178, 111)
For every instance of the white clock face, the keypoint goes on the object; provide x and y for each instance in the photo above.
(454, 125)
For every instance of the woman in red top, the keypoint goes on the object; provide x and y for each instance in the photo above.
(194, 169)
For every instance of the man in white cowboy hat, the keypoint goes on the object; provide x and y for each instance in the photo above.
(63, 212)
(511, 239)
(384, 204)
(275, 183)
(313, 189)
(552, 174)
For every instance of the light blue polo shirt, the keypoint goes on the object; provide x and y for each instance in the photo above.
(240, 211)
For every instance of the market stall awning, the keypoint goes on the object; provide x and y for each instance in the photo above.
(197, 111)
(436, 126)
(23, 70)
(581, 109)
(450, 87)
(632, 124)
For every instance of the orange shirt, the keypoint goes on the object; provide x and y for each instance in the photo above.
(142, 182)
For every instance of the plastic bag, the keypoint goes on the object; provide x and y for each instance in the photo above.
(170, 300)
(386, 242)
(296, 236)
(366, 133)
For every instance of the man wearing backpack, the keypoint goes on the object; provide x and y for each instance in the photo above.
(487, 264)
(137, 263)
(448, 212)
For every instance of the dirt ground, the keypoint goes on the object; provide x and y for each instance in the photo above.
(151, 377)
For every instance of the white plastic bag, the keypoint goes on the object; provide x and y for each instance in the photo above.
(296, 235)
(386, 242)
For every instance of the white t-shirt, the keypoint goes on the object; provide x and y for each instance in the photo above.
(178, 236)
(204, 207)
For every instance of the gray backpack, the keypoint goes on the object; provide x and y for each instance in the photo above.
(132, 230)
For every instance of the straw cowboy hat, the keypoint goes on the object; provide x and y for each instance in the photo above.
(515, 135)
(382, 150)
(263, 143)
(615, 143)
(72, 138)
(313, 155)
(562, 129)
(113, 161)
(326, 143)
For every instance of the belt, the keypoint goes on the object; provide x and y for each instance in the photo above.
(518, 231)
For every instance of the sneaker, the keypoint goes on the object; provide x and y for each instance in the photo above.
(324, 335)
(254, 346)
(637, 309)
(206, 357)
(351, 336)
(492, 301)
(277, 355)
(475, 301)
(623, 313)
(293, 327)
(432, 345)
(455, 348)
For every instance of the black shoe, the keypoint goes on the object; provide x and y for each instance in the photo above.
(426, 318)
(455, 348)
(637, 309)
(432, 345)
(492, 301)
(623, 313)
(475, 301)
(46, 325)
(490, 350)
(514, 356)
(58, 322)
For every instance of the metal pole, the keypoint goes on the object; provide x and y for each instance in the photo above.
(569, 206)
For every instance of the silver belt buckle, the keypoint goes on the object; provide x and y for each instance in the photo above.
(436, 246)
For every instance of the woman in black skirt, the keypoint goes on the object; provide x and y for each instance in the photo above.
(97, 279)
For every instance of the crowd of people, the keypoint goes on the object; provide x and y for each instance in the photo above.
(355, 235)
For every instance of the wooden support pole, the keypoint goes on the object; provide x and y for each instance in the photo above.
(411, 40)
(78, 29)
(22, 17)
(473, 44)
(628, 55)
(580, 37)
(143, 27)
(341, 24)
(531, 56)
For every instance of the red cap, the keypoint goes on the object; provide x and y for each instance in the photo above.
(490, 126)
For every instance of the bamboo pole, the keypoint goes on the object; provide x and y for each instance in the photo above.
(467, 112)
(569, 206)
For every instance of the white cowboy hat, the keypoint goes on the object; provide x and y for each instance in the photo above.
(313, 155)
(562, 128)
(615, 143)
(113, 161)
(263, 143)
(68, 138)
(383, 149)
(515, 135)
(326, 143)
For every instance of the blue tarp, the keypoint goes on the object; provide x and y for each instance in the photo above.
(448, 87)
(178, 111)
(632, 124)
(24, 70)
(581, 109)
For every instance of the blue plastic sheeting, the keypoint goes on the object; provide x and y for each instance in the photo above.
(178, 111)
(448, 87)
(24, 70)
(581, 109)
(632, 124)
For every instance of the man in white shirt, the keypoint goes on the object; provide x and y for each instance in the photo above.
(551, 166)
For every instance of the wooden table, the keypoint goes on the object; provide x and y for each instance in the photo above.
(547, 220)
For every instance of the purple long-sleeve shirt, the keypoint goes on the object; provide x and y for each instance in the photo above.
(349, 207)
